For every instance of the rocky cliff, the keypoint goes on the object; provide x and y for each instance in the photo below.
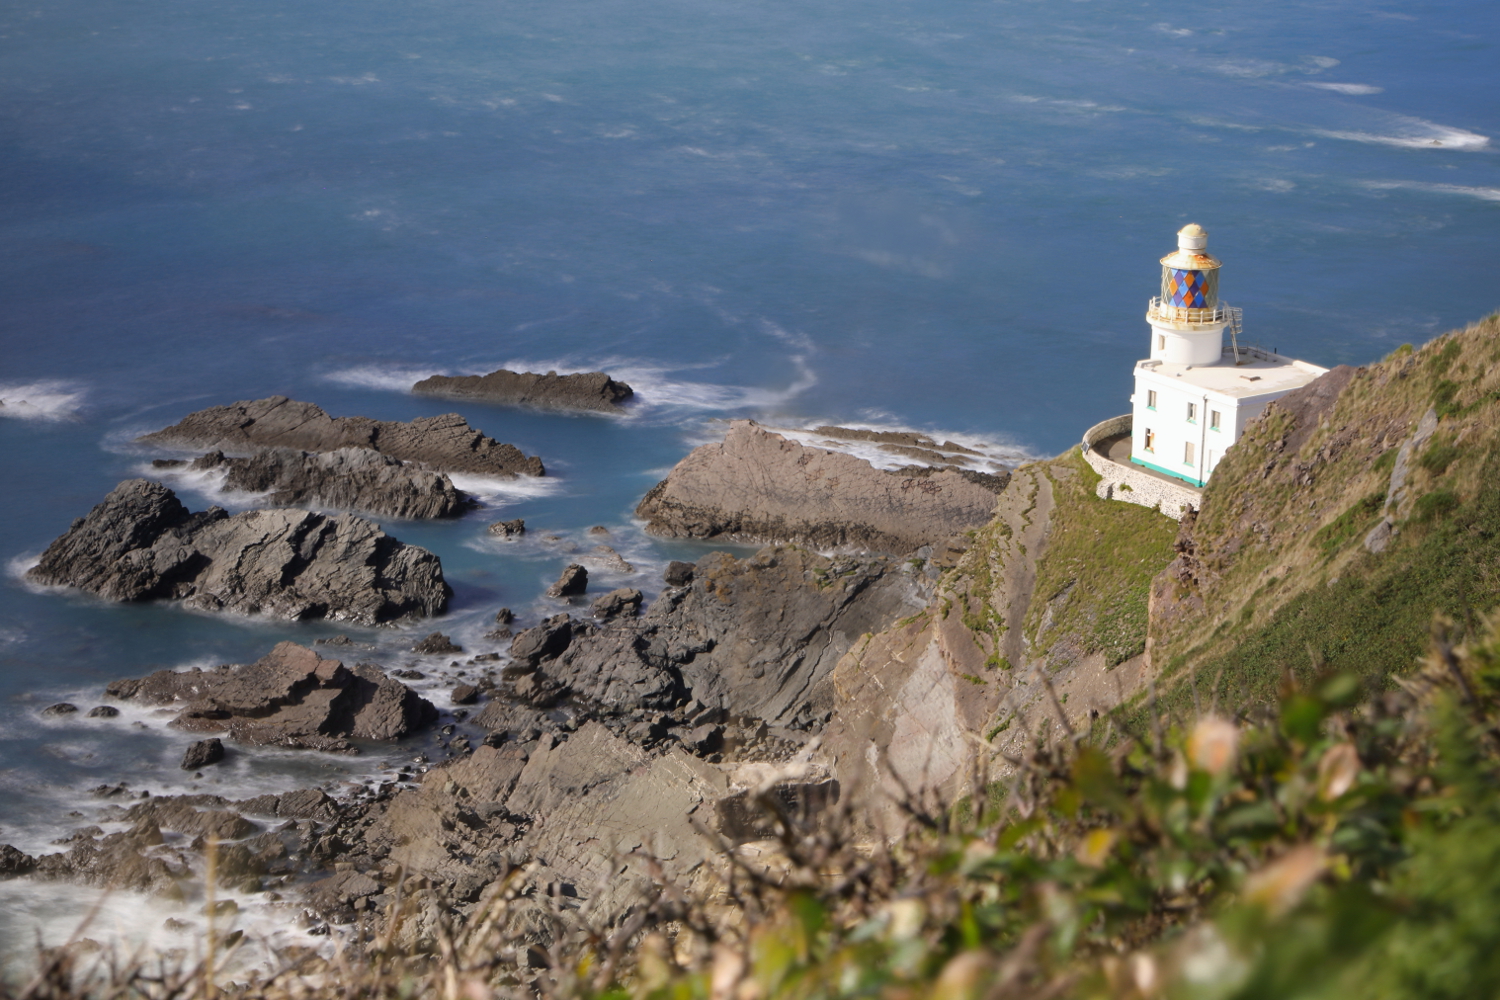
(585, 391)
(757, 486)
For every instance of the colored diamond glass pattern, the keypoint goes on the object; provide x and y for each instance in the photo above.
(1186, 288)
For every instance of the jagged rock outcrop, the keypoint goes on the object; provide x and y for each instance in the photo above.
(754, 637)
(290, 697)
(445, 443)
(759, 485)
(141, 543)
(594, 391)
(347, 478)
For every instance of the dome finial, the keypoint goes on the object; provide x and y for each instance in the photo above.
(1192, 237)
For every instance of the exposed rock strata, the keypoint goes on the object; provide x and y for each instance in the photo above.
(759, 485)
(291, 697)
(347, 478)
(141, 543)
(445, 443)
(594, 391)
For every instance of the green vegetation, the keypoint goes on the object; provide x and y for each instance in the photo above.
(1100, 559)
(1355, 521)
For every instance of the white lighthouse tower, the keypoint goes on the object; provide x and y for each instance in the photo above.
(1195, 393)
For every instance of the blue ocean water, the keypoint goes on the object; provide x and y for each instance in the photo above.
(942, 216)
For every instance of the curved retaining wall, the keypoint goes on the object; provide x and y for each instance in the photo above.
(1130, 484)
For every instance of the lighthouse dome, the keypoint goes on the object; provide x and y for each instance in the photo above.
(1192, 251)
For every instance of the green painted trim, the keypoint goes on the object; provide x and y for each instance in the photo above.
(1199, 483)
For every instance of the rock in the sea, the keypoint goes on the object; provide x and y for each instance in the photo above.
(14, 862)
(437, 644)
(759, 485)
(573, 581)
(605, 559)
(61, 708)
(504, 616)
(347, 478)
(290, 697)
(141, 543)
(203, 753)
(464, 694)
(624, 601)
(509, 529)
(103, 712)
(446, 443)
(581, 391)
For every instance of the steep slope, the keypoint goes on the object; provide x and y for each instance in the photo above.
(1348, 517)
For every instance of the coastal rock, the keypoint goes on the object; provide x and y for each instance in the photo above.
(141, 543)
(14, 862)
(446, 443)
(347, 478)
(573, 581)
(437, 644)
(624, 601)
(759, 485)
(508, 529)
(60, 709)
(678, 573)
(203, 753)
(754, 637)
(594, 391)
(289, 697)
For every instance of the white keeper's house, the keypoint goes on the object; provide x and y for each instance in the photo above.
(1194, 394)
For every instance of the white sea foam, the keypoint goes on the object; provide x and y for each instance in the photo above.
(1482, 193)
(51, 399)
(393, 377)
(494, 492)
(1354, 89)
(1413, 133)
(17, 567)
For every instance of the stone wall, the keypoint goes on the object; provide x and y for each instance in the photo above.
(1131, 484)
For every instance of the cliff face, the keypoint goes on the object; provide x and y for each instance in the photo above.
(1349, 516)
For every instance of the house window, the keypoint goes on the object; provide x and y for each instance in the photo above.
(1192, 412)
(1161, 342)
(1214, 419)
(1150, 399)
(1150, 439)
(1187, 453)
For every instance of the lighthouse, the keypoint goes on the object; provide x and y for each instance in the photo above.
(1195, 393)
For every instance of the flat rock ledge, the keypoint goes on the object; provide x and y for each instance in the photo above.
(291, 697)
(593, 391)
(141, 544)
(347, 478)
(445, 443)
(759, 486)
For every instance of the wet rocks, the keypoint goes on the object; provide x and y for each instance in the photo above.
(437, 644)
(203, 753)
(291, 697)
(445, 443)
(141, 543)
(508, 529)
(60, 709)
(14, 862)
(464, 694)
(346, 478)
(592, 391)
(103, 712)
(624, 601)
(759, 485)
(573, 581)
(678, 574)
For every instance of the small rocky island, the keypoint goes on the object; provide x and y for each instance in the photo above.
(141, 543)
(589, 391)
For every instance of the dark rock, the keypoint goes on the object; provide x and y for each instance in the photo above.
(103, 712)
(446, 443)
(13, 862)
(408, 674)
(545, 641)
(348, 478)
(573, 581)
(141, 543)
(759, 485)
(465, 694)
(599, 529)
(504, 616)
(509, 529)
(203, 753)
(168, 463)
(437, 644)
(678, 574)
(291, 697)
(581, 391)
(61, 708)
(625, 601)
(704, 739)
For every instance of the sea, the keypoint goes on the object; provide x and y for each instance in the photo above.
(943, 217)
